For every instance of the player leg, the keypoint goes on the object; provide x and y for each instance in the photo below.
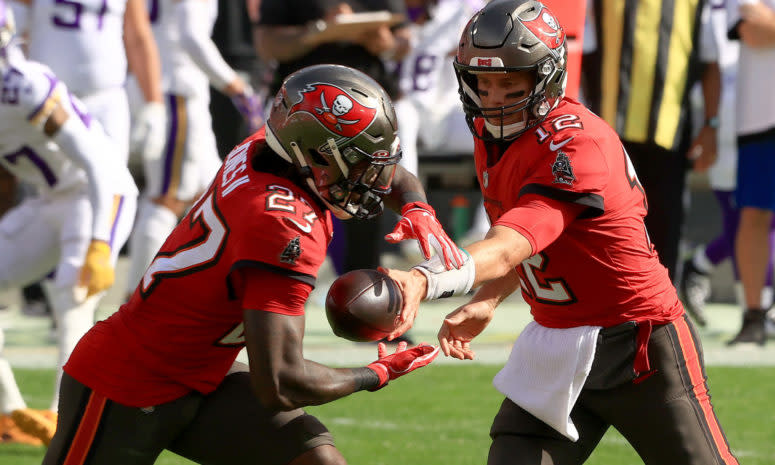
(29, 246)
(756, 200)
(94, 429)
(666, 415)
(695, 276)
(10, 396)
(28, 250)
(74, 318)
(233, 427)
(519, 438)
(161, 203)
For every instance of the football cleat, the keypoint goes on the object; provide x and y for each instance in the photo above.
(35, 423)
(695, 288)
(10, 433)
(752, 330)
(769, 324)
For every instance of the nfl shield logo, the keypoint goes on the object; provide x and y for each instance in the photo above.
(486, 179)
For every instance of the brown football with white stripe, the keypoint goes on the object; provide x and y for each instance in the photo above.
(363, 305)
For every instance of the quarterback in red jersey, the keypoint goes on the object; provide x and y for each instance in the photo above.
(609, 344)
(236, 272)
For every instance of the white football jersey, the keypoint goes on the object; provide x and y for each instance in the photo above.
(29, 91)
(426, 73)
(180, 75)
(755, 98)
(80, 40)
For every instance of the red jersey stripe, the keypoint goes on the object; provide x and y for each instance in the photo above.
(84, 436)
(700, 389)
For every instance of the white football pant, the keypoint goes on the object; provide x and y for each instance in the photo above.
(45, 234)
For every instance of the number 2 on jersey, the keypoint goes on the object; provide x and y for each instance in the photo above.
(550, 291)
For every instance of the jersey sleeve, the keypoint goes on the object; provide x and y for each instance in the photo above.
(571, 168)
(267, 291)
(280, 232)
(539, 219)
(39, 92)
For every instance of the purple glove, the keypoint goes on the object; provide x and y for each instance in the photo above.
(249, 105)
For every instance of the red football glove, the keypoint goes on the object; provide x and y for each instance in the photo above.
(392, 366)
(418, 221)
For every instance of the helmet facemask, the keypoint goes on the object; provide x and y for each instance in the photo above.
(365, 178)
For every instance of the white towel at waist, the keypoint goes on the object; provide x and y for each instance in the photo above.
(546, 370)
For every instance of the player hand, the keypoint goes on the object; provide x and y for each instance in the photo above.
(249, 105)
(97, 273)
(461, 326)
(418, 221)
(703, 150)
(413, 285)
(401, 362)
(755, 30)
(149, 131)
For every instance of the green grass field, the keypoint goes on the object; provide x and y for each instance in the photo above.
(442, 414)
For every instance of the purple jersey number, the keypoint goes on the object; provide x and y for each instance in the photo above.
(45, 170)
(424, 65)
(77, 10)
(153, 11)
(10, 90)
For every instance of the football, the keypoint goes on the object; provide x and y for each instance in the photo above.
(363, 305)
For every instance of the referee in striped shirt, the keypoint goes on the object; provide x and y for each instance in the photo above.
(638, 80)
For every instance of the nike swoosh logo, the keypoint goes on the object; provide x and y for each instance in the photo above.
(559, 145)
(306, 228)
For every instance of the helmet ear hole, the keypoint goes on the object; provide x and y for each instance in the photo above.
(317, 157)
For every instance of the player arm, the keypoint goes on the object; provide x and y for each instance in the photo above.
(84, 146)
(282, 378)
(193, 18)
(405, 189)
(141, 51)
(520, 233)
(274, 331)
(756, 27)
(281, 43)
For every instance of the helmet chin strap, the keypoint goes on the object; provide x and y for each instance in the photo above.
(275, 145)
(504, 130)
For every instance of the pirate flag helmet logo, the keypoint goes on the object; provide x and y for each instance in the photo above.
(335, 109)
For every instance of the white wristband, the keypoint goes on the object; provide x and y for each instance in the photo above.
(444, 283)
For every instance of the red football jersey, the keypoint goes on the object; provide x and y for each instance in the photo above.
(182, 328)
(602, 269)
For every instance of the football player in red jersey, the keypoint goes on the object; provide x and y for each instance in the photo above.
(236, 272)
(610, 343)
